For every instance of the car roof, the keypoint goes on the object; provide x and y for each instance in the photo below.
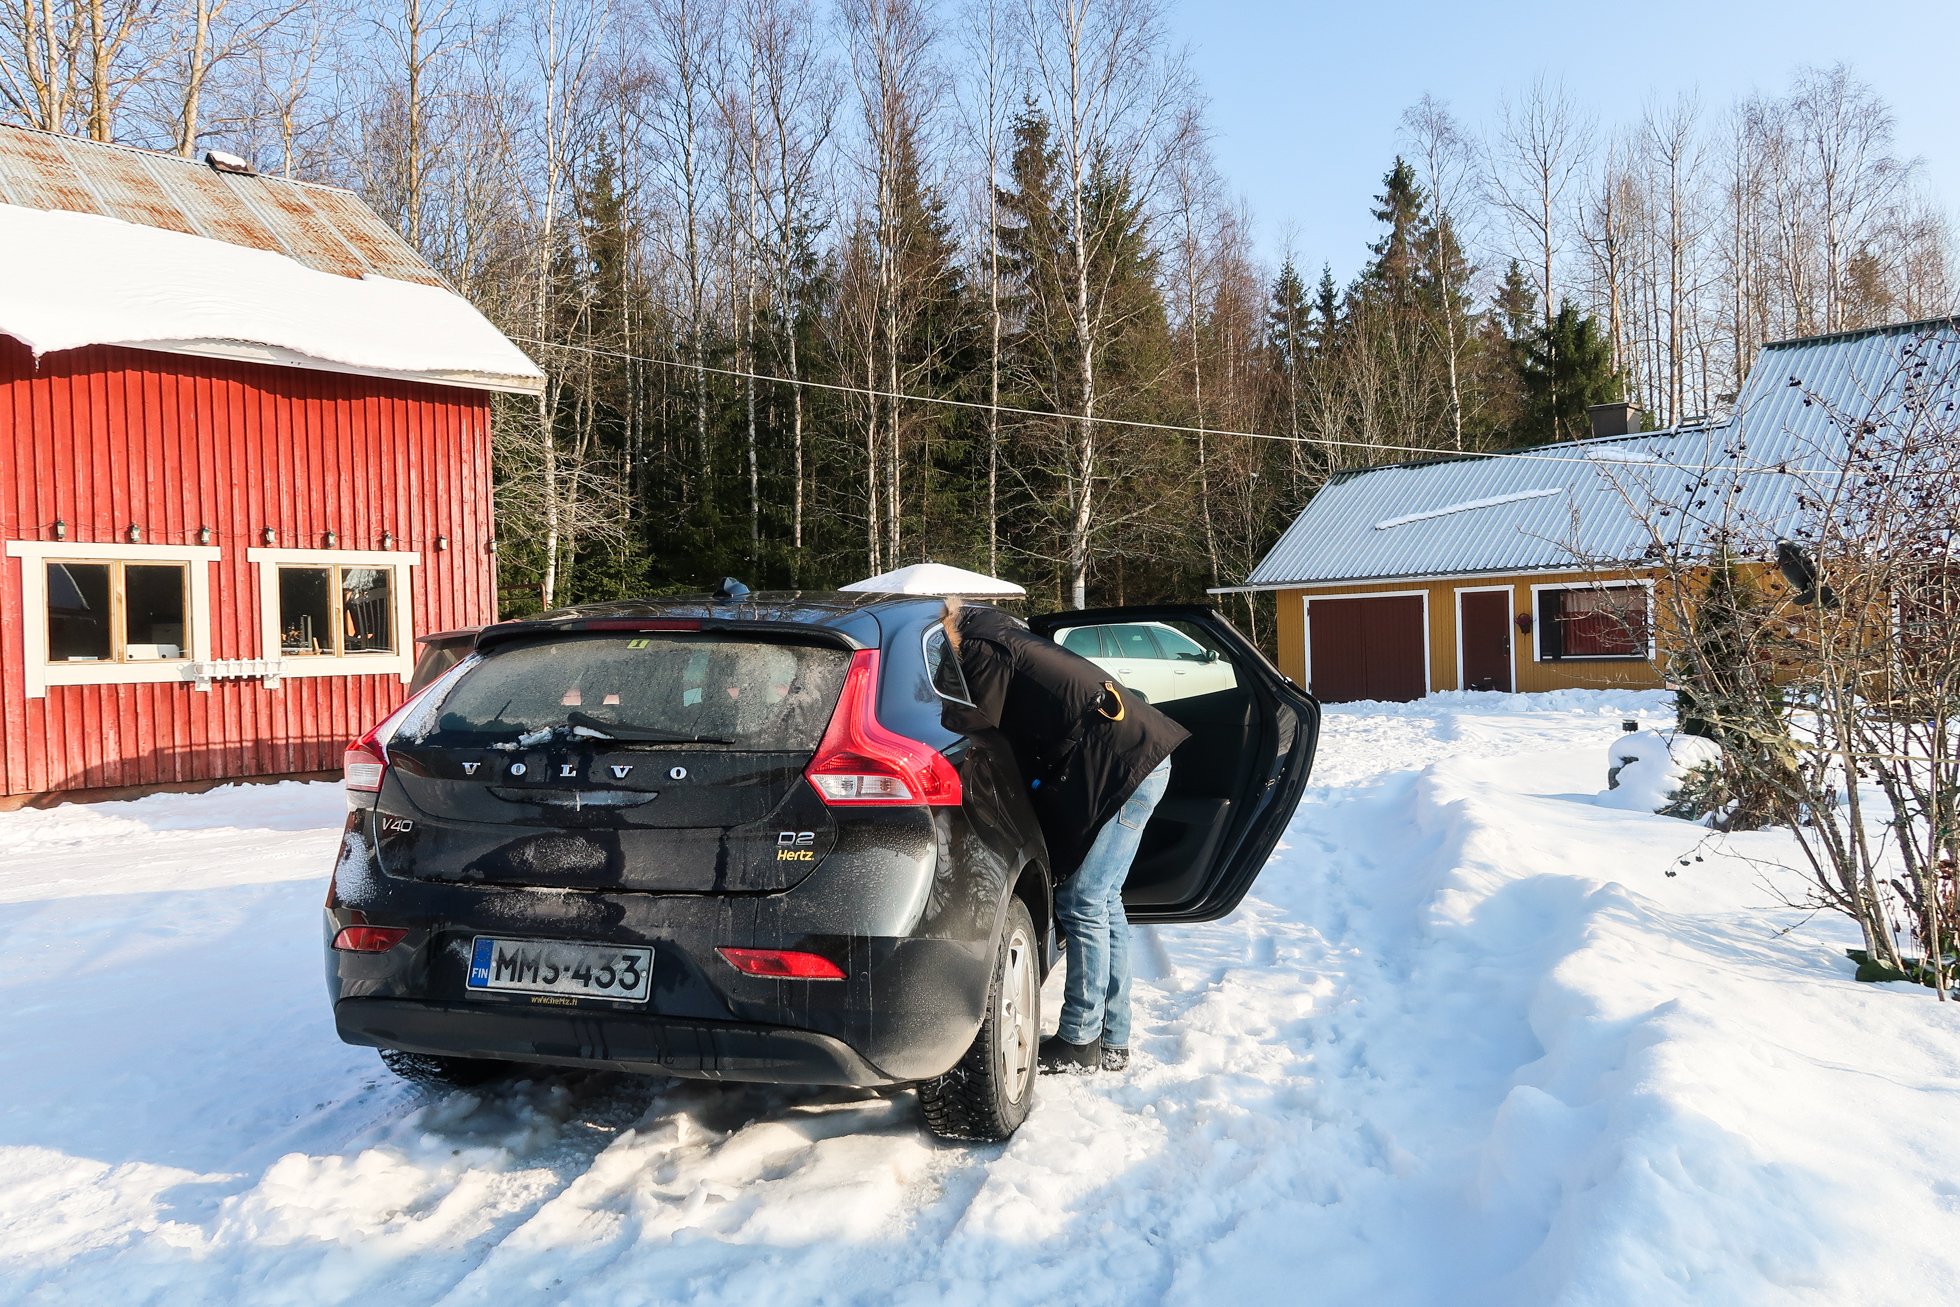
(859, 618)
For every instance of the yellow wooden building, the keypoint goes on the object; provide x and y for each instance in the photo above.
(1521, 571)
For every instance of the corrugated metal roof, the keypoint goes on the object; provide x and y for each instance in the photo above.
(1741, 478)
(322, 227)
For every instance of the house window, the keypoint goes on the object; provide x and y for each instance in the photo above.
(112, 614)
(1602, 621)
(117, 612)
(336, 612)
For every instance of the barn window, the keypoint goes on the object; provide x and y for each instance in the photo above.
(112, 614)
(113, 611)
(335, 611)
(1593, 621)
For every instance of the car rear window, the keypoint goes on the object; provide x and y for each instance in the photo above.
(752, 694)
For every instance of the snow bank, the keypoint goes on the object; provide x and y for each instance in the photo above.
(76, 279)
(1645, 769)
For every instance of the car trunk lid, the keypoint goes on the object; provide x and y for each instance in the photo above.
(663, 761)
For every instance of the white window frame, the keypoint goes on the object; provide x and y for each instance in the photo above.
(34, 557)
(401, 663)
(1511, 603)
(1653, 643)
(1306, 631)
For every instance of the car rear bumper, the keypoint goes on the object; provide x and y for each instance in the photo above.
(618, 1041)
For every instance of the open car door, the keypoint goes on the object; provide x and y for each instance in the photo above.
(1235, 782)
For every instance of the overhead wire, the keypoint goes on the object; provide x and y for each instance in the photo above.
(1143, 425)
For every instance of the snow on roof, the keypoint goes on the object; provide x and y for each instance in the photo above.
(1465, 507)
(94, 280)
(936, 579)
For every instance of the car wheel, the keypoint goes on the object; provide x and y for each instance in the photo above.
(443, 1072)
(987, 1095)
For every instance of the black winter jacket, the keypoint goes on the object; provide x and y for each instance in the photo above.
(1083, 743)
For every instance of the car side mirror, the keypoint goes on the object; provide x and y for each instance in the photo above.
(1212, 655)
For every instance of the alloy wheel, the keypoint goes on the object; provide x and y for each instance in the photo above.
(1019, 1015)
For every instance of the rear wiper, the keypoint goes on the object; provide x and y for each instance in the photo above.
(637, 734)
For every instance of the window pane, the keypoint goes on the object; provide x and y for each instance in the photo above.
(1605, 623)
(1175, 644)
(944, 669)
(759, 695)
(367, 609)
(78, 612)
(1133, 642)
(305, 610)
(153, 611)
(1084, 640)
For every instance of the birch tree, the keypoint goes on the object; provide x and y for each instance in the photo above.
(1115, 94)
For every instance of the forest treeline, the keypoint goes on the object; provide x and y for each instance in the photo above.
(824, 289)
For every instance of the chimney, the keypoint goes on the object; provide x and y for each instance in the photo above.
(1619, 418)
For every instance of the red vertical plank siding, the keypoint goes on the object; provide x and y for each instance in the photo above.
(105, 438)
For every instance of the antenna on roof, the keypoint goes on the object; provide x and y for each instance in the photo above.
(219, 161)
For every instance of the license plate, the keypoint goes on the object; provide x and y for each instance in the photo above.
(552, 966)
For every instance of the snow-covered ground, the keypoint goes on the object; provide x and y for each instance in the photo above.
(1468, 1043)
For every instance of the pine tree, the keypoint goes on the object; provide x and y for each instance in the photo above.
(1402, 207)
(1327, 309)
(1567, 367)
(1515, 307)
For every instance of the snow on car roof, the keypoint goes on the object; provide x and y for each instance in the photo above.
(936, 579)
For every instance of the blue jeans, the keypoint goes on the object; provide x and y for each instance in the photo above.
(1096, 993)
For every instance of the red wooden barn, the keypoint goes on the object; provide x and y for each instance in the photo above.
(244, 462)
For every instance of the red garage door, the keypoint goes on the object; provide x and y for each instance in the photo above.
(1370, 648)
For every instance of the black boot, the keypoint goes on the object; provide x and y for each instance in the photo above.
(1058, 1055)
(1115, 1057)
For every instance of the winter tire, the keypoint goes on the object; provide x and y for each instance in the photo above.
(443, 1072)
(987, 1094)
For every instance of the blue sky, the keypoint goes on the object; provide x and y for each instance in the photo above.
(1305, 97)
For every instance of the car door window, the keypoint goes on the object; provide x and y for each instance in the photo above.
(1133, 642)
(1175, 644)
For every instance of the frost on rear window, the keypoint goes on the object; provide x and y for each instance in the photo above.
(753, 694)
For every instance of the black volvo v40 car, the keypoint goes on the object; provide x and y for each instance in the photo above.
(759, 837)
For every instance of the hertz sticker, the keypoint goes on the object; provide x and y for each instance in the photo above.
(640, 643)
(795, 855)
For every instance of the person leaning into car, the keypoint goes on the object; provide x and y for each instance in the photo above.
(1097, 761)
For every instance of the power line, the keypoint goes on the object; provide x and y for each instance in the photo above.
(1138, 424)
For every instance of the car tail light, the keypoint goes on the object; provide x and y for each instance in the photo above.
(863, 762)
(785, 964)
(369, 939)
(364, 766)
